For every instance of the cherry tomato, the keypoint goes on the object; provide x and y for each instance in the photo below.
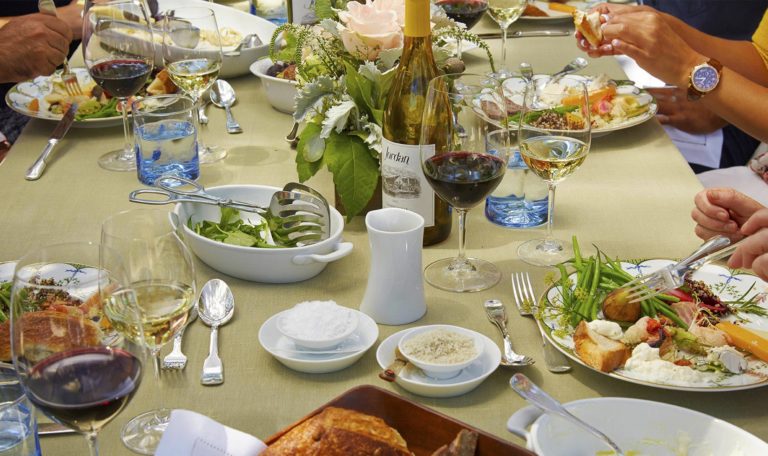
(679, 294)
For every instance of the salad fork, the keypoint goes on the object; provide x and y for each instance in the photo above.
(497, 314)
(176, 359)
(527, 304)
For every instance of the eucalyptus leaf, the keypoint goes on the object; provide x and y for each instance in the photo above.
(331, 27)
(389, 57)
(311, 97)
(336, 118)
(308, 140)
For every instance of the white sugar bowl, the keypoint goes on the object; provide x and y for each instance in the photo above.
(318, 325)
(441, 351)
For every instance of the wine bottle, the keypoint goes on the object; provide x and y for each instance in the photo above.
(403, 182)
(301, 11)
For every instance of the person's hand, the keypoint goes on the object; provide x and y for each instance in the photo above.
(605, 10)
(72, 14)
(32, 45)
(677, 111)
(753, 252)
(722, 211)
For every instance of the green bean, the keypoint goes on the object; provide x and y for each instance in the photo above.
(576, 253)
(670, 313)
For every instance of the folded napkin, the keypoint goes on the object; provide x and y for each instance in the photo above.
(192, 434)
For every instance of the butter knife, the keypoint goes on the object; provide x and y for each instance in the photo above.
(524, 34)
(36, 170)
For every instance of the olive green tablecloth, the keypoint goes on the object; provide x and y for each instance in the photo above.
(632, 198)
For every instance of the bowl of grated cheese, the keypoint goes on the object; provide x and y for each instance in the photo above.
(441, 351)
(317, 325)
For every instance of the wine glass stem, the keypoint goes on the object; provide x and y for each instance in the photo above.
(127, 153)
(155, 353)
(93, 444)
(200, 144)
(462, 234)
(550, 209)
(504, 46)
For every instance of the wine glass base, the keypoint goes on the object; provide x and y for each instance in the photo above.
(117, 161)
(211, 154)
(545, 252)
(452, 275)
(143, 433)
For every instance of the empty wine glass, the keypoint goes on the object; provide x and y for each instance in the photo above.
(464, 153)
(192, 56)
(119, 53)
(74, 364)
(554, 135)
(161, 272)
(505, 12)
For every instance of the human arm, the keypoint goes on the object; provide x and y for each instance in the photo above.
(722, 211)
(753, 252)
(43, 36)
(674, 109)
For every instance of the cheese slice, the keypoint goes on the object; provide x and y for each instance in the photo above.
(746, 339)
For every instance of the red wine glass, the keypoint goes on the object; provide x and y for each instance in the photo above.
(73, 362)
(464, 153)
(119, 52)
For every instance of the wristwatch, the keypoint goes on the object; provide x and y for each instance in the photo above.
(704, 78)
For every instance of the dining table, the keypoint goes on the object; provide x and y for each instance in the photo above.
(632, 198)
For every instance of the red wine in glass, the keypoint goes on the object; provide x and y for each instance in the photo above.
(84, 388)
(464, 179)
(122, 78)
(468, 12)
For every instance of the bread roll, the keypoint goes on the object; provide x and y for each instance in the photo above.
(598, 351)
(589, 25)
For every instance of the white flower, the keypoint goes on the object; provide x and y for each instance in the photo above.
(368, 30)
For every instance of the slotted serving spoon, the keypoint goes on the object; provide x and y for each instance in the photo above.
(296, 215)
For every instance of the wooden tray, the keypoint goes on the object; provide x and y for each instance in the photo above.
(424, 429)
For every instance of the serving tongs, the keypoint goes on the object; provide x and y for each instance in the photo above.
(297, 215)
(673, 276)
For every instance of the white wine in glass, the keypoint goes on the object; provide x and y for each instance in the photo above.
(505, 12)
(192, 55)
(554, 135)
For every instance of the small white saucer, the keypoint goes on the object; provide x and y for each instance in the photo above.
(414, 380)
(322, 361)
(6, 271)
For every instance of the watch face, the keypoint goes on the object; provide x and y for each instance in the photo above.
(705, 78)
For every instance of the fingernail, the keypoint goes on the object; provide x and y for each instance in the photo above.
(605, 17)
(615, 42)
(606, 48)
(714, 194)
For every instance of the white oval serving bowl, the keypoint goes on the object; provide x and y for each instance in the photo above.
(366, 334)
(241, 21)
(636, 425)
(435, 370)
(269, 265)
(415, 381)
(281, 93)
(317, 343)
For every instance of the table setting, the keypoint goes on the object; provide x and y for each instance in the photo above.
(281, 295)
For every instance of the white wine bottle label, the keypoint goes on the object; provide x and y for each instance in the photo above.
(403, 181)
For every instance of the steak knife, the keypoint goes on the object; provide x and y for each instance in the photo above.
(36, 170)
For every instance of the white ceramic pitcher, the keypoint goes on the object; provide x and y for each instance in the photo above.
(395, 291)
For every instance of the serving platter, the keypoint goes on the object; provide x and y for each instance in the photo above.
(424, 429)
(726, 283)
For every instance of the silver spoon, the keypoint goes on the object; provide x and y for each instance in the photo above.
(496, 312)
(223, 96)
(249, 41)
(215, 308)
(533, 394)
(577, 64)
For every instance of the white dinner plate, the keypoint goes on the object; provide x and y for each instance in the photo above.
(554, 16)
(414, 380)
(726, 283)
(303, 360)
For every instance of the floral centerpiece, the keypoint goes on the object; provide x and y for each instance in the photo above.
(344, 67)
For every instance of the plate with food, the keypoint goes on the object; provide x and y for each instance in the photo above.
(552, 11)
(45, 97)
(709, 335)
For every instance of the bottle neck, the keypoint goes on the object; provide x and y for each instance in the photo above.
(417, 18)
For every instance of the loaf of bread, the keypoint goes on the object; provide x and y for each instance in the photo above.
(340, 432)
(48, 332)
(589, 25)
(599, 351)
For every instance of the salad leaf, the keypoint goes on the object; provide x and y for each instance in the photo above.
(109, 109)
(232, 230)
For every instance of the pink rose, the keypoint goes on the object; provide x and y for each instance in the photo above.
(368, 30)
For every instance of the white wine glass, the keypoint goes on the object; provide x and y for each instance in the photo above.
(119, 53)
(161, 272)
(505, 12)
(464, 156)
(74, 364)
(554, 136)
(192, 56)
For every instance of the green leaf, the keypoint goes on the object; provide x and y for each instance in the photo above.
(336, 117)
(229, 215)
(240, 238)
(307, 169)
(311, 97)
(360, 89)
(324, 9)
(355, 171)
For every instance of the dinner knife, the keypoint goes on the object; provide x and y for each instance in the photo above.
(36, 170)
(524, 34)
(53, 429)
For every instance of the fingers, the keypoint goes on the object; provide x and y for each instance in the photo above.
(711, 217)
(740, 206)
(757, 221)
(754, 247)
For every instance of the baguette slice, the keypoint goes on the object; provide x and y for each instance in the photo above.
(599, 351)
(589, 26)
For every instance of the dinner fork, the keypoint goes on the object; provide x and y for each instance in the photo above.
(176, 359)
(673, 276)
(70, 79)
(527, 304)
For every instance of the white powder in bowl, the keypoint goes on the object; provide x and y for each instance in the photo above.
(440, 347)
(318, 320)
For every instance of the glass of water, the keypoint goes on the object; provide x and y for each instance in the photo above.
(18, 426)
(166, 138)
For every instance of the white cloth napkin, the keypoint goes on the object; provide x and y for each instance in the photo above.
(192, 434)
